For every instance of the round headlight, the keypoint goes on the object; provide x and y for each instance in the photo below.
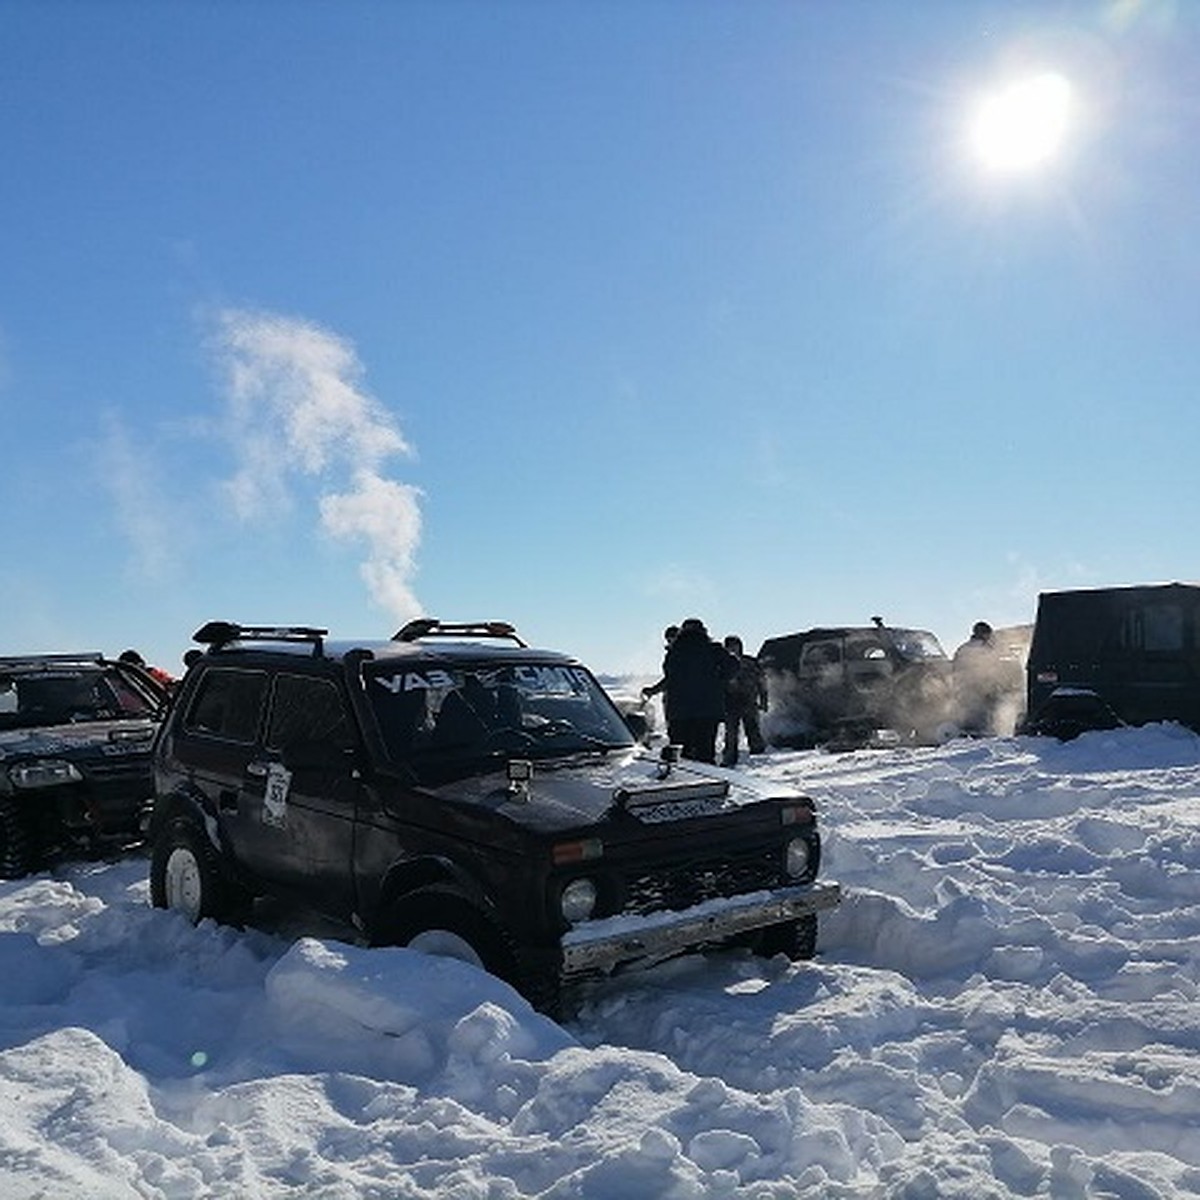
(578, 900)
(796, 858)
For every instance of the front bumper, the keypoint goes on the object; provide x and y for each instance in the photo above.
(619, 941)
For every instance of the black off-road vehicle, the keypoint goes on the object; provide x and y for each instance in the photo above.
(75, 739)
(856, 686)
(453, 789)
(1103, 657)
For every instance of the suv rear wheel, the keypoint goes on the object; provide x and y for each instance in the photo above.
(186, 875)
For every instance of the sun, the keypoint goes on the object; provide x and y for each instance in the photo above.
(1022, 125)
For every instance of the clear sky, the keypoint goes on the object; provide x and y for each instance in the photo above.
(591, 316)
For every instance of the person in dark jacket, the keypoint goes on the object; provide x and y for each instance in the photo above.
(745, 697)
(696, 670)
(659, 689)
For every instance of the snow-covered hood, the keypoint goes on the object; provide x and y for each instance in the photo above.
(581, 790)
(90, 740)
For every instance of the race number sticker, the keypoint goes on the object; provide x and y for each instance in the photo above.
(279, 783)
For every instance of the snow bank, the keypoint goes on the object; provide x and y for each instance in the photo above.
(1005, 1005)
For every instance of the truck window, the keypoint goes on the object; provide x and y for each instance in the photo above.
(1154, 628)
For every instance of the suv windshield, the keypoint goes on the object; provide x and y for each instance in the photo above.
(62, 696)
(443, 719)
(916, 644)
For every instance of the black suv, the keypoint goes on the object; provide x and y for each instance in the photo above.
(1103, 657)
(453, 789)
(75, 739)
(854, 686)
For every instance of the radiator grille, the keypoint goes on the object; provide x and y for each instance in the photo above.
(119, 770)
(685, 882)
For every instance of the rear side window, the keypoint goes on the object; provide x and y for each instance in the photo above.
(868, 647)
(228, 704)
(305, 709)
(819, 655)
(1153, 627)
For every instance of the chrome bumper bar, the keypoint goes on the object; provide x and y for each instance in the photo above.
(605, 944)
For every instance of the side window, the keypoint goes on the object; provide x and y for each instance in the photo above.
(1163, 627)
(819, 655)
(867, 662)
(305, 709)
(228, 704)
(865, 649)
(1154, 628)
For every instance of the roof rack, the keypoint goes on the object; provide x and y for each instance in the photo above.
(216, 634)
(424, 627)
(8, 661)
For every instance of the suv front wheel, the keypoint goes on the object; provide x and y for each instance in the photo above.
(186, 875)
(441, 920)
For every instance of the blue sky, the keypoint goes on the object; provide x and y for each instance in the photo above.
(591, 316)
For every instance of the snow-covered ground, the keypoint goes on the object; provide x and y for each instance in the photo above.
(1006, 1005)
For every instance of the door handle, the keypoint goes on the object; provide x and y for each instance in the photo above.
(258, 769)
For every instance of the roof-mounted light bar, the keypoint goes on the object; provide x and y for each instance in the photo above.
(25, 661)
(216, 634)
(426, 627)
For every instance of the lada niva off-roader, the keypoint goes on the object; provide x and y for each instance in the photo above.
(454, 790)
(75, 737)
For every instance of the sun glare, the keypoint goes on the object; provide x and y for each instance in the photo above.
(1022, 125)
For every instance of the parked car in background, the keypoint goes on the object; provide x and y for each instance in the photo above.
(75, 740)
(455, 790)
(851, 686)
(1103, 657)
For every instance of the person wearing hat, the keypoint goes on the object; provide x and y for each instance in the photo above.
(745, 698)
(978, 680)
(696, 670)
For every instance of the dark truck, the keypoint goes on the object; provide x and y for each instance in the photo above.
(852, 686)
(75, 738)
(455, 790)
(1104, 657)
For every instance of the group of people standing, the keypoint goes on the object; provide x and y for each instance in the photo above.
(705, 684)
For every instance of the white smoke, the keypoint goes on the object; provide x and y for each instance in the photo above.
(298, 407)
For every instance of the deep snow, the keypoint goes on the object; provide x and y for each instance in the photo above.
(1004, 1005)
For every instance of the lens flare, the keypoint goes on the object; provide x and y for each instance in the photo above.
(1023, 125)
